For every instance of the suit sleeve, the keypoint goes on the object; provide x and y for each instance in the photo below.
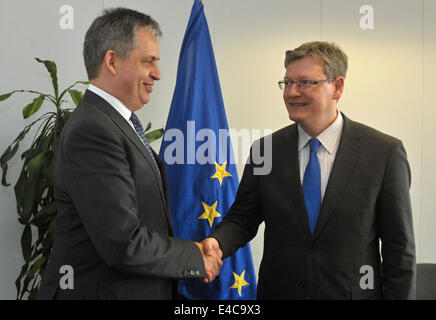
(242, 221)
(396, 228)
(98, 179)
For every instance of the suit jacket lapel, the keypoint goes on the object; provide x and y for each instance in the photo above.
(131, 134)
(288, 157)
(345, 161)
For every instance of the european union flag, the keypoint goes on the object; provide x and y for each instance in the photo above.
(198, 156)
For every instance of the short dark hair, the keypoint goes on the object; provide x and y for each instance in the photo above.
(114, 30)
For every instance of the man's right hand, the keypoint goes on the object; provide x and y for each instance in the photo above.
(212, 247)
(212, 263)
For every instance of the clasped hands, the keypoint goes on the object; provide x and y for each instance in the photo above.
(212, 255)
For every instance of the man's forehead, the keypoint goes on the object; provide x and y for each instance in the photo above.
(148, 44)
(305, 67)
(146, 36)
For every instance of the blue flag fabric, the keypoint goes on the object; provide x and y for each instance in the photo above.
(198, 157)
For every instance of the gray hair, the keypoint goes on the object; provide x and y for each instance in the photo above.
(335, 60)
(116, 30)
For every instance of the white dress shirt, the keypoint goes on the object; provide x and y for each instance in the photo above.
(329, 140)
(115, 103)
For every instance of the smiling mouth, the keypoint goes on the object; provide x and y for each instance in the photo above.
(149, 87)
(297, 104)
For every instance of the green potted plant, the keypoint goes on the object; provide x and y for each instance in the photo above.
(36, 206)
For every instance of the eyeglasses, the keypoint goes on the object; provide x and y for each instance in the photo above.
(301, 84)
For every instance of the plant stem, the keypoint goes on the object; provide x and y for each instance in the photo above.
(52, 99)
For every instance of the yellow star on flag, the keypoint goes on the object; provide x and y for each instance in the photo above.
(210, 213)
(239, 282)
(221, 172)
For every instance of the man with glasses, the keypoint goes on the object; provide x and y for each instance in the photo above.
(336, 189)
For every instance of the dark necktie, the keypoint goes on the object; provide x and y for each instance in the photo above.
(140, 130)
(312, 185)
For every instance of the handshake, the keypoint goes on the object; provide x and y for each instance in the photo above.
(212, 255)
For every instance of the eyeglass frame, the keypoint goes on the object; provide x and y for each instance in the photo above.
(299, 84)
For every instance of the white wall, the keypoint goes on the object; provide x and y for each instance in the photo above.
(389, 84)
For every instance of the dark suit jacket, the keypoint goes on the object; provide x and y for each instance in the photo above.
(366, 200)
(113, 224)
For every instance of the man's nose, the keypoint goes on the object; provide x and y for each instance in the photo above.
(155, 73)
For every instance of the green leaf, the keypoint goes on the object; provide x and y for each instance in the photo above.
(33, 107)
(63, 120)
(76, 95)
(18, 280)
(148, 127)
(36, 266)
(33, 293)
(11, 154)
(26, 242)
(47, 243)
(4, 167)
(36, 162)
(45, 213)
(47, 166)
(27, 280)
(52, 69)
(50, 163)
(25, 194)
(7, 155)
(75, 83)
(154, 135)
(20, 194)
(29, 154)
(7, 95)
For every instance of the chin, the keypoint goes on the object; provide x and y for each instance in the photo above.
(296, 116)
(145, 100)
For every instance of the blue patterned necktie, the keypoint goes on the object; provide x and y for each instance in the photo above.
(140, 130)
(312, 185)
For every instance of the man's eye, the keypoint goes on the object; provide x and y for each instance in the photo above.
(306, 82)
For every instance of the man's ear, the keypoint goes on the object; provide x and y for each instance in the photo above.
(338, 84)
(110, 61)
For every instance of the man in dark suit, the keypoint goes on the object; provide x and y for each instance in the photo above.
(113, 226)
(336, 188)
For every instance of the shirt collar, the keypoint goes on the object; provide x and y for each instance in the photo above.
(114, 102)
(303, 138)
(329, 138)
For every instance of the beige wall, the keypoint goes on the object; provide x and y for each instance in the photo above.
(389, 85)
